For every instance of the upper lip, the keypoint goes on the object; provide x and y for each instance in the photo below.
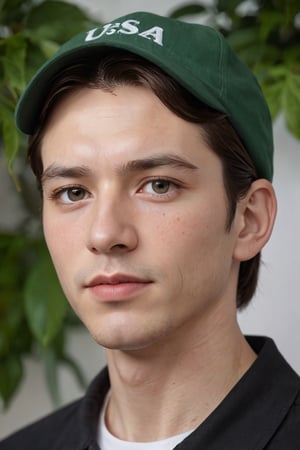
(115, 279)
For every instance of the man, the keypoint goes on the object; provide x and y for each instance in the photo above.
(152, 145)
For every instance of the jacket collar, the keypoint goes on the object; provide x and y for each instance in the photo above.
(252, 412)
(247, 418)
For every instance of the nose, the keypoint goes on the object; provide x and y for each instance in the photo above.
(112, 229)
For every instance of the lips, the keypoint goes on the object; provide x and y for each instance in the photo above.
(115, 279)
(116, 287)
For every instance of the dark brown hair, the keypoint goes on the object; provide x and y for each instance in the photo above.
(113, 68)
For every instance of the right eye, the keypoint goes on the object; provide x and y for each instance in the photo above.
(71, 194)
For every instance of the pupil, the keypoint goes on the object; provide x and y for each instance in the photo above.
(75, 194)
(161, 186)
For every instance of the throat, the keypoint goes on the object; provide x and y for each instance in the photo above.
(145, 397)
(107, 440)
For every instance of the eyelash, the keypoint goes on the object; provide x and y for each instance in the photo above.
(64, 189)
(173, 185)
(57, 193)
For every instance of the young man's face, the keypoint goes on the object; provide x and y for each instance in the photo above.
(134, 216)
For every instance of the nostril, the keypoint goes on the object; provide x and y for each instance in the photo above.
(117, 238)
(120, 246)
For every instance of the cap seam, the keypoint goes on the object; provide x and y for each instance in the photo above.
(222, 69)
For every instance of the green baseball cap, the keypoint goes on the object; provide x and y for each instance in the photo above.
(196, 56)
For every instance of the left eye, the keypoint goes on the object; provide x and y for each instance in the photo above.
(160, 186)
(71, 195)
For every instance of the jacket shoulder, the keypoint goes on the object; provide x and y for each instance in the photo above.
(44, 432)
(287, 435)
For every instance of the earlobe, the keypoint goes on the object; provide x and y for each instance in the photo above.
(257, 212)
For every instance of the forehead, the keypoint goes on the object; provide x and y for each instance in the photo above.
(126, 123)
(129, 105)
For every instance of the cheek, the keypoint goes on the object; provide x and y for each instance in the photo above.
(62, 242)
(188, 230)
(62, 238)
(193, 245)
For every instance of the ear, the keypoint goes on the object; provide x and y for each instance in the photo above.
(255, 217)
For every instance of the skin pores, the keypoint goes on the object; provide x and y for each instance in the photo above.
(134, 216)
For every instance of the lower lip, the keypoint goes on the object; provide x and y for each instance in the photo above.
(116, 292)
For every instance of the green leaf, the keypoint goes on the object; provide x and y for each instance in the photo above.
(272, 81)
(187, 10)
(4, 339)
(48, 47)
(44, 48)
(12, 11)
(9, 273)
(291, 103)
(11, 139)
(11, 373)
(64, 20)
(291, 55)
(2, 4)
(14, 63)
(270, 20)
(228, 6)
(14, 333)
(51, 361)
(35, 55)
(52, 357)
(259, 54)
(45, 303)
(273, 94)
(243, 38)
(75, 369)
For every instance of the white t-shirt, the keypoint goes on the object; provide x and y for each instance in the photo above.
(107, 441)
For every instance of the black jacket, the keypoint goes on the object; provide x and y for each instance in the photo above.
(261, 412)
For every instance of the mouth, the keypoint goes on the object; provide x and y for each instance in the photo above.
(117, 287)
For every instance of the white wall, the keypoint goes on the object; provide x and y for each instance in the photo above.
(275, 311)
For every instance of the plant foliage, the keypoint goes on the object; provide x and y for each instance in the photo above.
(266, 36)
(35, 318)
(34, 314)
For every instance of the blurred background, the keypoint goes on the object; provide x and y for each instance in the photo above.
(41, 365)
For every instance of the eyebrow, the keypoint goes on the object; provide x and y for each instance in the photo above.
(157, 161)
(56, 171)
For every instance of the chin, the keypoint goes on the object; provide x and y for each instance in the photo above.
(128, 331)
(126, 341)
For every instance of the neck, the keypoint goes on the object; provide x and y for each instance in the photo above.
(173, 386)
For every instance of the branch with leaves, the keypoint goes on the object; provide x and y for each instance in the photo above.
(35, 318)
(266, 36)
